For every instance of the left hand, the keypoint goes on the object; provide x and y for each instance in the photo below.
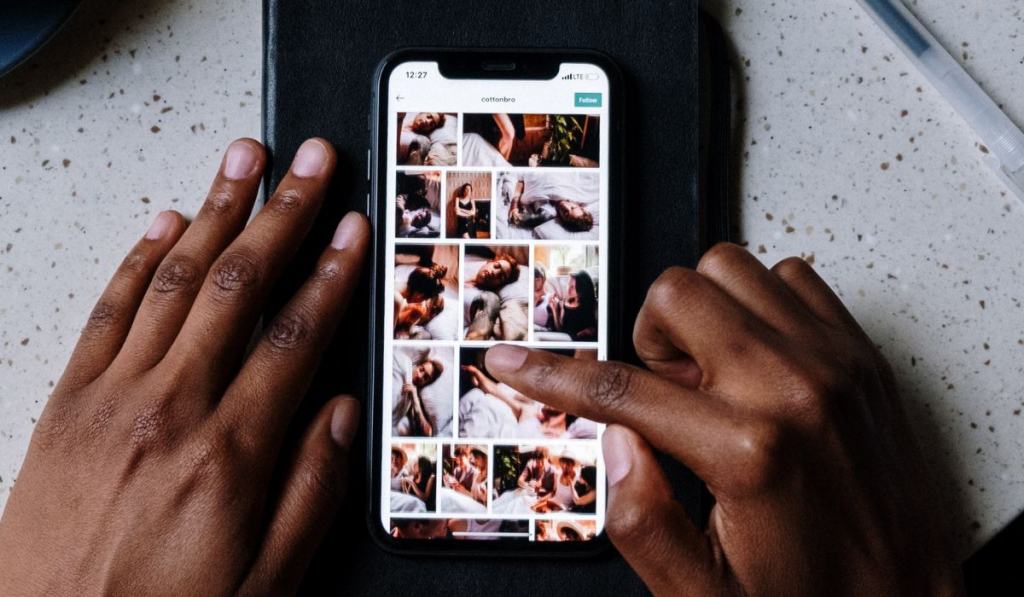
(156, 466)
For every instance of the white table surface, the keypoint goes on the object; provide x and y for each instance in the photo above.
(848, 158)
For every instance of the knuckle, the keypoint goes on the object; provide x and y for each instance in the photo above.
(104, 315)
(134, 263)
(149, 426)
(821, 378)
(631, 523)
(327, 272)
(610, 385)
(211, 457)
(54, 428)
(176, 273)
(543, 373)
(235, 274)
(316, 483)
(760, 448)
(287, 200)
(816, 393)
(290, 330)
(791, 267)
(102, 417)
(665, 291)
(722, 256)
(219, 201)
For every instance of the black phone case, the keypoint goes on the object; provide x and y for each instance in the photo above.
(319, 63)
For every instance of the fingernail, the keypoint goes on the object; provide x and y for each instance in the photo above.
(345, 422)
(345, 231)
(160, 225)
(618, 454)
(505, 358)
(239, 160)
(309, 160)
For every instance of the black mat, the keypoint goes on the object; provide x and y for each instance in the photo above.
(319, 61)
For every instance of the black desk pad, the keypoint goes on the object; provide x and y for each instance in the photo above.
(319, 60)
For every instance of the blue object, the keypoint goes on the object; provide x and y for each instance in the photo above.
(25, 26)
(900, 26)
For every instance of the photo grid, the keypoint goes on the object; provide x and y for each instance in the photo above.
(497, 230)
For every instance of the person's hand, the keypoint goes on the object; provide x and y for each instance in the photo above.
(514, 217)
(408, 390)
(477, 376)
(765, 386)
(587, 333)
(157, 466)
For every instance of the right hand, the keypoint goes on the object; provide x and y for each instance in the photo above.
(765, 386)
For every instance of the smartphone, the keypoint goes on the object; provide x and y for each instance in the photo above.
(493, 188)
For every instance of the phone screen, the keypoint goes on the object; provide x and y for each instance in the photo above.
(495, 219)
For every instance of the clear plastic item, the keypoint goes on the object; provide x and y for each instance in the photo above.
(1001, 137)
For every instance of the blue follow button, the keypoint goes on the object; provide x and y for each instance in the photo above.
(588, 100)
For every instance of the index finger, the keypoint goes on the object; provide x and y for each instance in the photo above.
(695, 428)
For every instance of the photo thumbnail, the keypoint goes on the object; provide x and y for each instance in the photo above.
(421, 387)
(469, 205)
(418, 204)
(427, 139)
(490, 409)
(546, 205)
(426, 292)
(540, 479)
(533, 140)
(464, 479)
(460, 529)
(565, 530)
(413, 477)
(497, 292)
(565, 279)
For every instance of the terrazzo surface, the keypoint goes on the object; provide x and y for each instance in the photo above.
(847, 157)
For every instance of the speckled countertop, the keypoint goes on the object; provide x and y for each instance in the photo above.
(848, 159)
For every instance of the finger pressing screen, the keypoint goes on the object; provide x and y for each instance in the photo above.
(693, 426)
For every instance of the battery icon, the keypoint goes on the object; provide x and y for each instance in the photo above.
(591, 76)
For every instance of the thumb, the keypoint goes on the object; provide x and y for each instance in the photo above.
(313, 489)
(650, 528)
